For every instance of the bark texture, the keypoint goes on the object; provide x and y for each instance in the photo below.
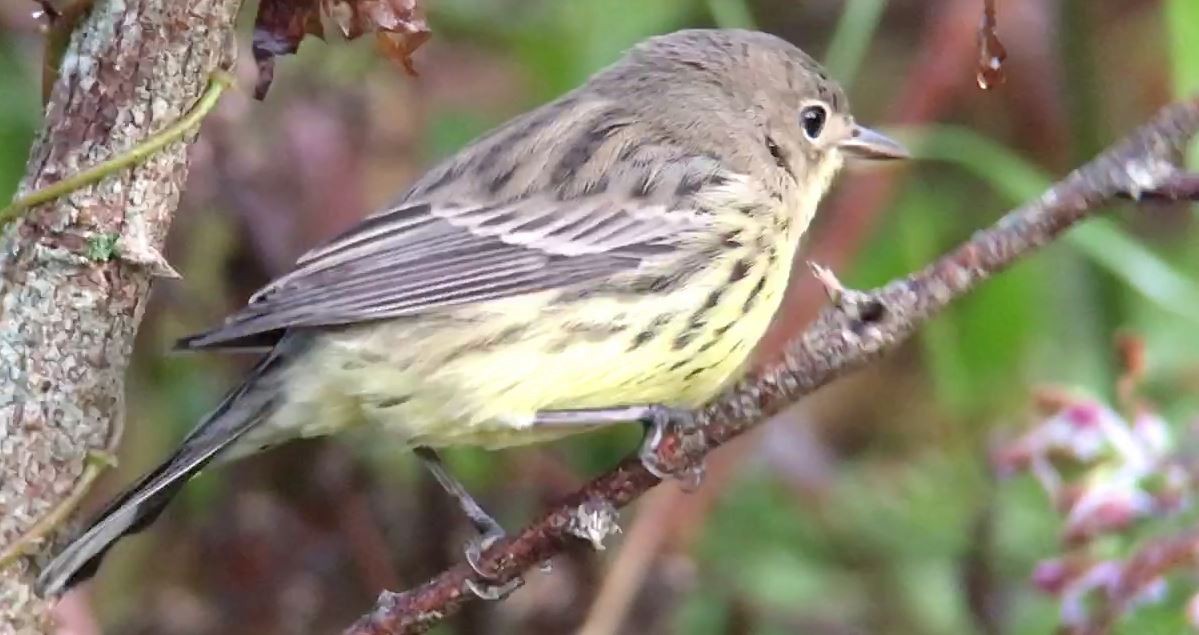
(75, 273)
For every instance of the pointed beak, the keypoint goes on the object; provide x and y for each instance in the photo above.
(870, 145)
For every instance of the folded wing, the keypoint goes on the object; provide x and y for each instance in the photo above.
(423, 256)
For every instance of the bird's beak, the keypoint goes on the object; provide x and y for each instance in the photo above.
(864, 143)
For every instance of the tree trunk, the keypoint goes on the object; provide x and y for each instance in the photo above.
(75, 273)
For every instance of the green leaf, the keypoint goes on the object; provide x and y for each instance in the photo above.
(854, 31)
(731, 14)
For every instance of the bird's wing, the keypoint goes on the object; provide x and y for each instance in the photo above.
(424, 256)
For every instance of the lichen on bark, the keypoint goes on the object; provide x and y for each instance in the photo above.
(68, 320)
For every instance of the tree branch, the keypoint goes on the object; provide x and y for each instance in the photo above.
(75, 271)
(856, 329)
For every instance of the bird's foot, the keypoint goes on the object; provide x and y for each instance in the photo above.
(488, 536)
(661, 420)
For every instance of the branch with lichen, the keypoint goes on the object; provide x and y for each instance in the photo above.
(127, 159)
(79, 248)
(855, 329)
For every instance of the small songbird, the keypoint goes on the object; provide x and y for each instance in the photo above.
(612, 256)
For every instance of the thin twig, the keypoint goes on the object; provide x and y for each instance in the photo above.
(842, 339)
(27, 543)
(135, 155)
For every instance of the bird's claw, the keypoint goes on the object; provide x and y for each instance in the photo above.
(476, 546)
(491, 592)
(474, 557)
(690, 437)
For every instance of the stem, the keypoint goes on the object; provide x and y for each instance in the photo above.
(216, 85)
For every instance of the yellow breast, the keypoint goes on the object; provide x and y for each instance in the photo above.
(478, 375)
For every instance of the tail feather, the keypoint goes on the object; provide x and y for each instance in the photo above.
(141, 504)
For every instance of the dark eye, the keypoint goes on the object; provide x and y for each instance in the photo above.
(812, 119)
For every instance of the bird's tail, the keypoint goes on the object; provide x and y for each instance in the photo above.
(140, 505)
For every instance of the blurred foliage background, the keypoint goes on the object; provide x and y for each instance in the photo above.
(870, 508)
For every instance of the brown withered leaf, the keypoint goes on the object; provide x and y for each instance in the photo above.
(280, 26)
(278, 29)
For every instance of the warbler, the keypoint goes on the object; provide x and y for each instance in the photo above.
(608, 257)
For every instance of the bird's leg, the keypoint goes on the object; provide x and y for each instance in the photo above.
(489, 530)
(657, 419)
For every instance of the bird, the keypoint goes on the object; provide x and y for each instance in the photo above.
(612, 256)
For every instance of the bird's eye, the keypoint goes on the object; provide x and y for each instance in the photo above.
(812, 119)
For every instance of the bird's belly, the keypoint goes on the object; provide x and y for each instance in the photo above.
(479, 381)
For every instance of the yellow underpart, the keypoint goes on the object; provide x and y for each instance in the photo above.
(476, 375)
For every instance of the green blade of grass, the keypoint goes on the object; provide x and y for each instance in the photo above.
(854, 31)
(1100, 240)
(731, 14)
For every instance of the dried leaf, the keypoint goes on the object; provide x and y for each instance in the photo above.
(399, 27)
(278, 29)
(1131, 350)
(991, 53)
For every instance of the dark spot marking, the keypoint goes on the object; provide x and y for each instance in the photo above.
(707, 345)
(718, 180)
(596, 186)
(679, 364)
(683, 340)
(584, 147)
(753, 295)
(642, 338)
(644, 186)
(493, 154)
(576, 157)
(740, 270)
(509, 335)
(722, 330)
(559, 346)
(483, 344)
(657, 284)
(688, 185)
(392, 402)
(710, 303)
(651, 331)
(748, 209)
(694, 372)
(443, 178)
(459, 352)
(501, 180)
(780, 157)
(732, 239)
(630, 150)
(595, 332)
